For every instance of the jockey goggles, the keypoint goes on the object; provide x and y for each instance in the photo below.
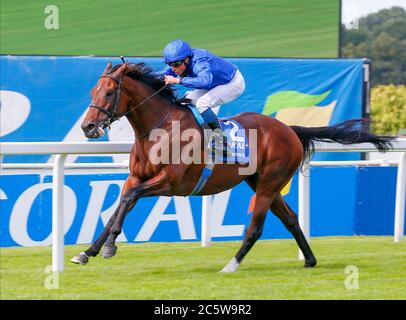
(175, 63)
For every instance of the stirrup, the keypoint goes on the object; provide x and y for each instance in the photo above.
(220, 146)
(227, 150)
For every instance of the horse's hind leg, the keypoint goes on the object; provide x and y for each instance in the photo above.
(262, 203)
(281, 209)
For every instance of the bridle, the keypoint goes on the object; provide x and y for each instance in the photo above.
(113, 115)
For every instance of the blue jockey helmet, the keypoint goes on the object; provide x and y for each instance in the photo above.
(176, 50)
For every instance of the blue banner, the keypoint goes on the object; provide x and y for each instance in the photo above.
(46, 98)
(50, 94)
(337, 207)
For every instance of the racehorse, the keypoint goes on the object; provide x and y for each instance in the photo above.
(132, 91)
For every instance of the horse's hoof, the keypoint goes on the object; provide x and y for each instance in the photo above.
(80, 258)
(109, 251)
(232, 266)
(310, 263)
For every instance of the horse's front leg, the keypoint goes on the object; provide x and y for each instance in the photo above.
(155, 186)
(83, 257)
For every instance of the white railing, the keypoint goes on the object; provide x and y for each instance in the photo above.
(304, 181)
(62, 149)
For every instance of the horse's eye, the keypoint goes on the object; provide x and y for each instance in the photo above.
(109, 93)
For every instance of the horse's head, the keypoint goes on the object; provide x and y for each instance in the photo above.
(108, 101)
(111, 98)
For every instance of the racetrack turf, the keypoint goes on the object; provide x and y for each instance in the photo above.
(185, 271)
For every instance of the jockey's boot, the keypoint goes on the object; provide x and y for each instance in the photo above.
(220, 140)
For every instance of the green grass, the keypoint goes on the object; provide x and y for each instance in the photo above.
(230, 28)
(187, 271)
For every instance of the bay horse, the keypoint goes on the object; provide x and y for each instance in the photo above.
(131, 90)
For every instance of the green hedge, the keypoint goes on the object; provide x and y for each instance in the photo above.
(388, 109)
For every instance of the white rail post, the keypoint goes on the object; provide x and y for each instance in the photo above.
(206, 221)
(400, 198)
(304, 202)
(57, 213)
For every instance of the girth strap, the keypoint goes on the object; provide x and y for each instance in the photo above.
(206, 173)
(208, 169)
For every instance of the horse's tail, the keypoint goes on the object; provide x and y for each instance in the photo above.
(347, 132)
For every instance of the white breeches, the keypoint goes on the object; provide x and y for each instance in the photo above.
(204, 99)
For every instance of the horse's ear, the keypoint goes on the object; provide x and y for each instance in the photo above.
(108, 67)
(122, 69)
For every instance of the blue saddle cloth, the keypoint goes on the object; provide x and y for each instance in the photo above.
(237, 139)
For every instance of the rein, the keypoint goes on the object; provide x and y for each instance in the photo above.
(113, 116)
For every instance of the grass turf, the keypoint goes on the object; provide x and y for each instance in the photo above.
(230, 28)
(186, 271)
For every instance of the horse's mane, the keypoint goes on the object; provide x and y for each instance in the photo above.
(144, 74)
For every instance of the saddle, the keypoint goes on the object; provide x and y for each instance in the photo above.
(235, 134)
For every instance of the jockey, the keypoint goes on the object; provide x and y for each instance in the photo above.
(214, 80)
